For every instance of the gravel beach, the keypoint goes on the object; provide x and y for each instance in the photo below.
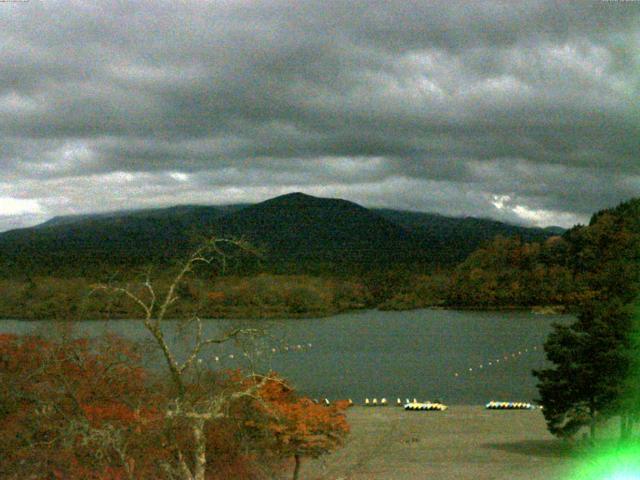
(464, 442)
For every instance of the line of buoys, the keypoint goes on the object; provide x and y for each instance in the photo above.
(493, 405)
(289, 348)
(325, 401)
(496, 361)
(426, 406)
(285, 349)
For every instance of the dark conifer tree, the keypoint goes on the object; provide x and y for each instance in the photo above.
(591, 367)
(594, 359)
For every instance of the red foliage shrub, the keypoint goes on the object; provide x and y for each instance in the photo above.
(80, 409)
(73, 409)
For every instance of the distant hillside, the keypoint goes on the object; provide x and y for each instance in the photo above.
(452, 239)
(297, 232)
(192, 211)
(601, 258)
(92, 244)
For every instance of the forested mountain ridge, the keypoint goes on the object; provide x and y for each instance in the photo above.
(561, 270)
(366, 258)
(296, 232)
(454, 238)
(205, 211)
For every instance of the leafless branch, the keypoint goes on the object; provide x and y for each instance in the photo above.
(197, 411)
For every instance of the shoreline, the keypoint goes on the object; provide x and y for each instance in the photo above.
(280, 315)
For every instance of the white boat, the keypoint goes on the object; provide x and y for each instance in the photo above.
(426, 406)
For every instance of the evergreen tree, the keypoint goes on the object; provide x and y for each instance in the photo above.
(594, 359)
(629, 402)
(591, 367)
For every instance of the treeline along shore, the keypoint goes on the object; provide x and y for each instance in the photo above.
(552, 272)
(506, 273)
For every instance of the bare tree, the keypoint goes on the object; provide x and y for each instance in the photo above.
(196, 411)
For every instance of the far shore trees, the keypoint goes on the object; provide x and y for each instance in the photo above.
(508, 272)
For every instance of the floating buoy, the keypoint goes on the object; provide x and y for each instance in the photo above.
(489, 363)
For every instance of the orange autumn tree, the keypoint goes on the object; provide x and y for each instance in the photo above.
(80, 409)
(74, 409)
(297, 427)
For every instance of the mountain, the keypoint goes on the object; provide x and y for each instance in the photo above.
(452, 239)
(95, 243)
(296, 232)
(298, 228)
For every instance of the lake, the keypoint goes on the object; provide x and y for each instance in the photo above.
(459, 357)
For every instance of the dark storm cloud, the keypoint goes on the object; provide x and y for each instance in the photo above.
(524, 111)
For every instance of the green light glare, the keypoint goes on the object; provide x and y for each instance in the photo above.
(618, 463)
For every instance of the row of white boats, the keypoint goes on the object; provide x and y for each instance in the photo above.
(436, 405)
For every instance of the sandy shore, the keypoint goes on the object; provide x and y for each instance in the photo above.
(464, 442)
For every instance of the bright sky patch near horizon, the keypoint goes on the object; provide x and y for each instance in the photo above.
(526, 112)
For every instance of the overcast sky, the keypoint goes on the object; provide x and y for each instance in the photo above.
(524, 111)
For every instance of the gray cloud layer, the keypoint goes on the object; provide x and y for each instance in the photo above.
(524, 111)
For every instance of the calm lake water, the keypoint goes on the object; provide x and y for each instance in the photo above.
(425, 354)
